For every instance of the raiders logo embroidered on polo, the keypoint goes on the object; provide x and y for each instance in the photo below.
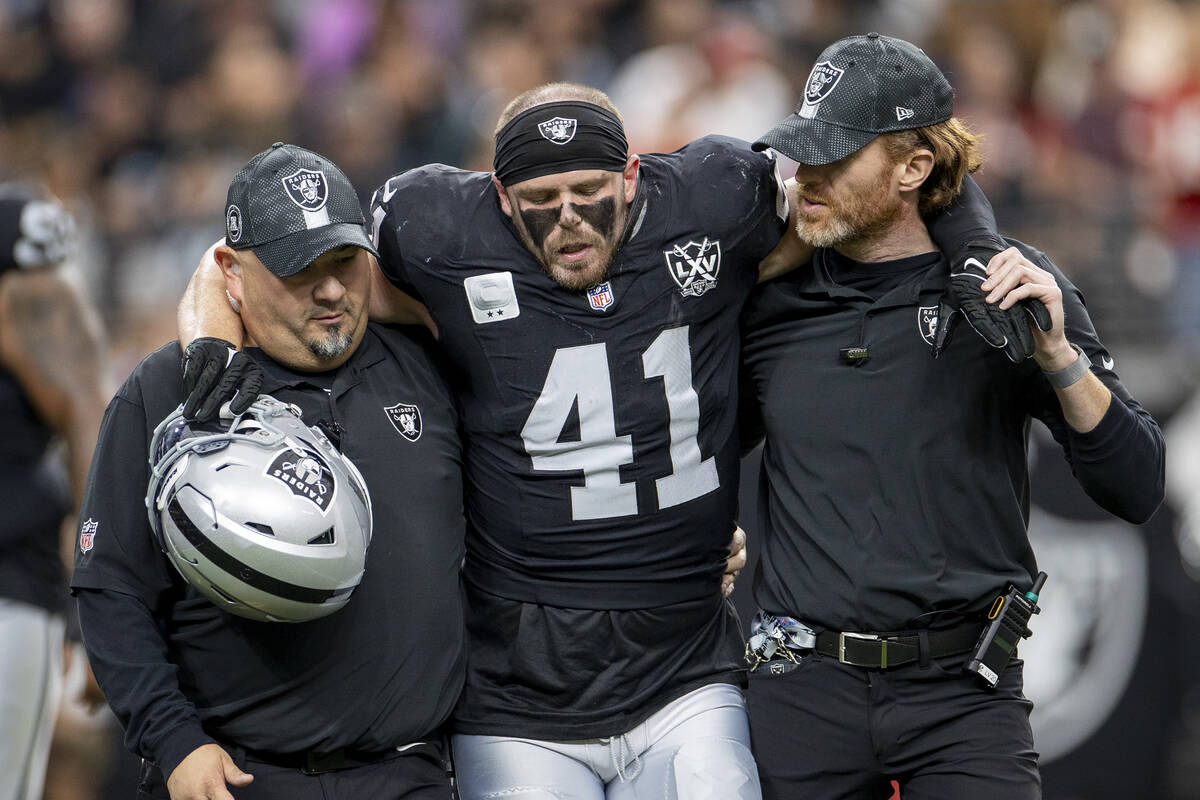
(559, 130)
(87, 535)
(600, 296)
(406, 419)
(694, 266)
(306, 474)
(927, 323)
(307, 188)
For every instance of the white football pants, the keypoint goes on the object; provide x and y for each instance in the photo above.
(695, 748)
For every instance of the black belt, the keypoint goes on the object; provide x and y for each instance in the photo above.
(885, 650)
(316, 764)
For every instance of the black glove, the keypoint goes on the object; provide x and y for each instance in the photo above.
(1001, 328)
(215, 371)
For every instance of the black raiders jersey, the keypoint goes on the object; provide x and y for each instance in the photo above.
(600, 427)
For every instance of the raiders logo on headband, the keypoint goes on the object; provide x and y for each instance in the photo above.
(559, 130)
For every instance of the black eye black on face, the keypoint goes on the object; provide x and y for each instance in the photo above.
(599, 216)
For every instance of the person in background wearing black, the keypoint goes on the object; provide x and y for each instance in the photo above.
(894, 494)
(344, 706)
(52, 390)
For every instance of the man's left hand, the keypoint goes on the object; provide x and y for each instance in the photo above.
(1003, 326)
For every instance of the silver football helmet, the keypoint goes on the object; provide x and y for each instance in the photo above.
(260, 513)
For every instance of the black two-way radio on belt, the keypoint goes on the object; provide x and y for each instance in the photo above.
(1009, 615)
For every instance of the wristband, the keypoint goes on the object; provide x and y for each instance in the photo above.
(1061, 379)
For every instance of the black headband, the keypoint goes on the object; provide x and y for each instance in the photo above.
(559, 137)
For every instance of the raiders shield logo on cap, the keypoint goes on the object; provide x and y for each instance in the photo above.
(559, 130)
(307, 188)
(821, 81)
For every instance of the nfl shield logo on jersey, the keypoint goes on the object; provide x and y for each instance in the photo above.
(307, 188)
(559, 130)
(406, 419)
(87, 535)
(694, 266)
(600, 296)
(306, 474)
(927, 322)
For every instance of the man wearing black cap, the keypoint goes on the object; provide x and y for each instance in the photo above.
(894, 492)
(589, 300)
(344, 706)
(52, 389)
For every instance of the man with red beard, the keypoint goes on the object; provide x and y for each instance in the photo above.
(894, 492)
(589, 299)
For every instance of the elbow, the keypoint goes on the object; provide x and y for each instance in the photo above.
(1139, 506)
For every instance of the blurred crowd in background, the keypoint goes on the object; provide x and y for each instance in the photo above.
(136, 114)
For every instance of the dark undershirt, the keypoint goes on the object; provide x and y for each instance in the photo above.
(877, 278)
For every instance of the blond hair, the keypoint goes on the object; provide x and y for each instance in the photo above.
(955, 155)
(551, 93)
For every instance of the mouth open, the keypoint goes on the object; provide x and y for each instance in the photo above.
(574, 252)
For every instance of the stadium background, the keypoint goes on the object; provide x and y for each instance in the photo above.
(137, 112)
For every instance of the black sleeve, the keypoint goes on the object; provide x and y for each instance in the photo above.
(128, 652)
(1121, 463)
(967, 222)
(383, 219)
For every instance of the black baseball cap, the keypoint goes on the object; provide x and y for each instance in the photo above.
(861, 86)
(290, 205)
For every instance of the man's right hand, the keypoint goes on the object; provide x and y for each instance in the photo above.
(215, 371)
(203, 775)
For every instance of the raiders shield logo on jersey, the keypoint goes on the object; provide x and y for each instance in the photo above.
(927, 322)
(559, 130)
(306, 474)
(87, 535)
(694, 266)
(406, 419)
(307, 188)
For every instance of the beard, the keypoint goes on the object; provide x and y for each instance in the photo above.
(859, 217)
(334, 343)
(602, 224)
(582, 278)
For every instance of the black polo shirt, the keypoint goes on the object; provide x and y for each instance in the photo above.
(384, 670)
(896, 485)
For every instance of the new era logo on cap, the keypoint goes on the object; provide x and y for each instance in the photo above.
(290, 206)
(861, 86)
